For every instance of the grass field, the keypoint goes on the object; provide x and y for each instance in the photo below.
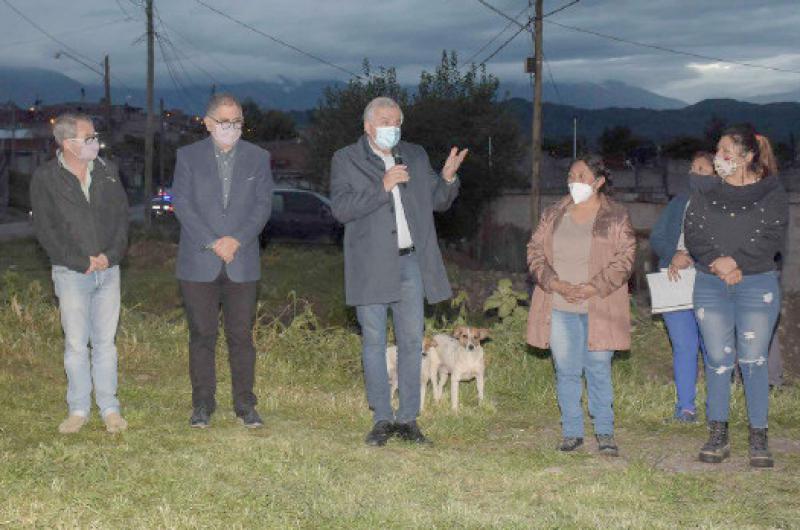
(491, 466)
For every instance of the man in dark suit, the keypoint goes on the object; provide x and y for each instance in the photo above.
(385, 192)
(222, 196)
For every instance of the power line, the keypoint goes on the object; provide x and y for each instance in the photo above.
(562, 8)
(482, 48)
(506, 43)
(52, 37)
(277, 40)
(552, 79)
(673, 51)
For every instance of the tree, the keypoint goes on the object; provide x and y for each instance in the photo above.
(339, 119)
(450, 108)
(684, 147)
(618, 142)
(266, 126)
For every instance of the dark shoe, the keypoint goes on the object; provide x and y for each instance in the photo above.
(250, 418)
(569, 444)
(759, 451)
(606, 445)
(718, 447)
(410, 432)
(380, 433)
(200, 418)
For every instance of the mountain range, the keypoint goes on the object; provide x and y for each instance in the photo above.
(595, 105)
(778, 121)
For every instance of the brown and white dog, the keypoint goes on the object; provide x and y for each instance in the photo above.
(461, 357)
(428, 372)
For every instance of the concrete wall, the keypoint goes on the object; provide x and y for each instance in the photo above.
(513, 209)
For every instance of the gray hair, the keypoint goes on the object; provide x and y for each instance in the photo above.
(218, 100)
(380, 103)
(65, 126)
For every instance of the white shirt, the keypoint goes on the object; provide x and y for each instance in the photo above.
(403, 233)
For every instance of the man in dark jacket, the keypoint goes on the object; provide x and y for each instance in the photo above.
(80, 214)
(385, 193)
(222, 195)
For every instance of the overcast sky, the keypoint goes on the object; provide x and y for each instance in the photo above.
(410, 35)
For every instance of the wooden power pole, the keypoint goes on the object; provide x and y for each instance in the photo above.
(148, 132)
(107, 83)
(536, 125)
(161, 180)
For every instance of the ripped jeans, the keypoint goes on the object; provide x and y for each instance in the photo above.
(737, 322)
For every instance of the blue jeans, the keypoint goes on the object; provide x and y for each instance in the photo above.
(569, 335)
(684, 334)
(409, 323)
(89, 306)
(737, 321)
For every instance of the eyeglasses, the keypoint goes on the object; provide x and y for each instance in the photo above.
(92, 138)
(227, 124)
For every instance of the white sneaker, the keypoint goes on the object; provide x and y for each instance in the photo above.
(114, 422)
(72, 424)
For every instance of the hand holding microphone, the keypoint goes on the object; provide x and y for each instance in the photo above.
(397, 175)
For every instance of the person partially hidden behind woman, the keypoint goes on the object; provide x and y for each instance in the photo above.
(733, 232)
(581, 257)
(666, 240)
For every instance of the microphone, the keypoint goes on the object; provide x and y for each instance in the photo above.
(398, 161)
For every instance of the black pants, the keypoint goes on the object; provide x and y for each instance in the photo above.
(202, 301)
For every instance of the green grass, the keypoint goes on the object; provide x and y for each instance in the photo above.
(491, 466)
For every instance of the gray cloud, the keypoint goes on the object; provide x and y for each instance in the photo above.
(410, 34)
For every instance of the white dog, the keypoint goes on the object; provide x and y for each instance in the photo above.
(430, 367)
(461, 357)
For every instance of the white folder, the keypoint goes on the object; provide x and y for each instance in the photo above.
(666, 295)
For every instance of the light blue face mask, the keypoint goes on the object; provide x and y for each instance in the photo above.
(387, 137)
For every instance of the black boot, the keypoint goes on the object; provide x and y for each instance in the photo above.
(718, 447)
(759, 451)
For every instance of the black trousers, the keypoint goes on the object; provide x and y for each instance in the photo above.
(202, 301)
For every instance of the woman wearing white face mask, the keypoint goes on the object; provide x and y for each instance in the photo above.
(734, 232)
(581, 257)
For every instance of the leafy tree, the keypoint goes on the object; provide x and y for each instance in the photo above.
(265, 126)
(618, 142)
(459, 108)
(684, 147)
(338, 121)
(450, 108)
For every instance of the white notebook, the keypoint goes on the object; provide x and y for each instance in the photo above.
(666, 295)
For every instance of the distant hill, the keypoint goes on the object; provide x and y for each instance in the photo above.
(775, 120)
(25, 85)
(593, 95)
(779, 97)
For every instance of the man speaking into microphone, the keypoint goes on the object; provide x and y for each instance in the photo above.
(384, 191)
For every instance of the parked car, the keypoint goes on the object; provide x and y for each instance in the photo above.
(296, 215)
(301, 215)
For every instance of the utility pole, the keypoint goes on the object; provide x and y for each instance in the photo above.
(536, 125)
(161, 143)
(574, 138)
(12, 160)
(107, 83)
(148, 132)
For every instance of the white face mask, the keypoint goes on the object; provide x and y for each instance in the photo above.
(387, 137)
(725, 168)
(226, 137)
(580, 192)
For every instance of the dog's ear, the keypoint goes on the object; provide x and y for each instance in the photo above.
(457, 331)
(483, 334)
(430, 342)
